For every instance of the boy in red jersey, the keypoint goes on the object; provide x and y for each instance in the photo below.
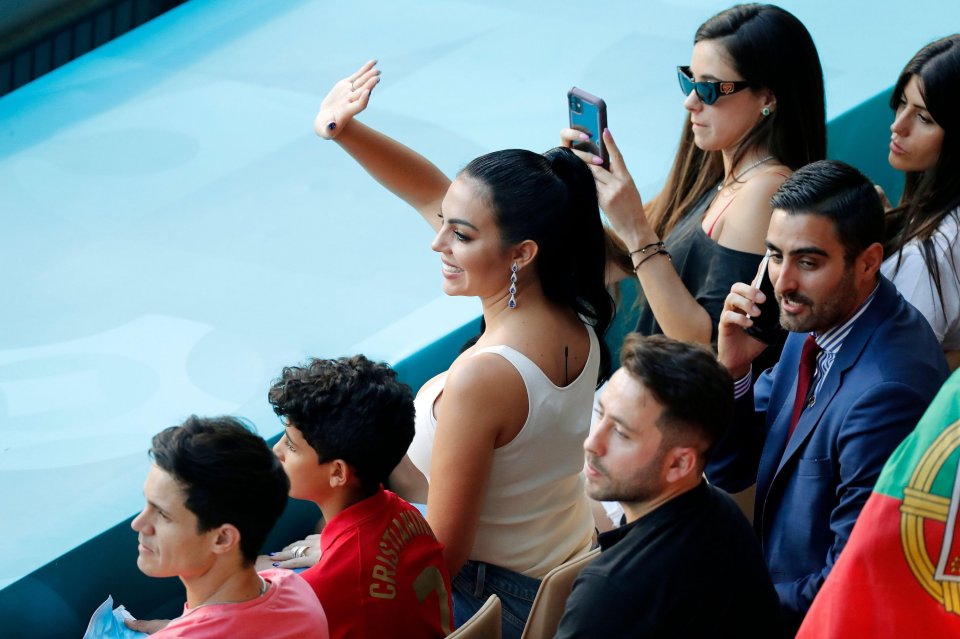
(381, 570)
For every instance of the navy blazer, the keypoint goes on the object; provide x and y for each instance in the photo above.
(810, 490)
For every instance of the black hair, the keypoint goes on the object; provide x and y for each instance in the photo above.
(350, 409)
(551, 199)
(771, 49)
(840, 193)
(694, 389)
(228, 474)
(929, 196)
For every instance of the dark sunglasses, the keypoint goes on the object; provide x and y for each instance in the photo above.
(708, 92)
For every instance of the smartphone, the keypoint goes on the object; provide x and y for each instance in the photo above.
(588, 113)
(766, 326)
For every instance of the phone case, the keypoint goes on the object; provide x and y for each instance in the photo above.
(588, 113)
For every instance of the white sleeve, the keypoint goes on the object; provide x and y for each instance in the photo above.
(913, 280)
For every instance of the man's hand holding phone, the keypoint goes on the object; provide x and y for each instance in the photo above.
(766, 326)
(736, 350)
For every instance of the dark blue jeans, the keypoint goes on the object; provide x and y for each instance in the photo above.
(477, 580)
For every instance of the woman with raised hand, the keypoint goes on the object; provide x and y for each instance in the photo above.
(755, 113)
(922, 251)
(497, 453)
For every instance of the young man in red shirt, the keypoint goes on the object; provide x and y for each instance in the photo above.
(381, 570)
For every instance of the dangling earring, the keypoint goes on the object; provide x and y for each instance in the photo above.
(513, 286)
(765, 111)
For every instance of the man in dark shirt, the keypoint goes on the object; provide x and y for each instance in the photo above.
(687, 563)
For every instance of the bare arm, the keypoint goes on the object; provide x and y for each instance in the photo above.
(677, 312)
(467, 433)
(148, 626)
(404, 172)
(407, 481)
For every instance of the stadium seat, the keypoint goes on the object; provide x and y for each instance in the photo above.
(552, 597)
(485, 624)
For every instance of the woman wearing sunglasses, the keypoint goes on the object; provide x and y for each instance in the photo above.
(755, 112)
(922, 248)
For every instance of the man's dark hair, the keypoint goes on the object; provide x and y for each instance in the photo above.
(695, 390)
(841, 193)
(350, 409)
(228, 474)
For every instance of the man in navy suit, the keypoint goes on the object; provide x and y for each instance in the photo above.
(872, 366)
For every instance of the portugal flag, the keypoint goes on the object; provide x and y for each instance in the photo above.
(899, 575)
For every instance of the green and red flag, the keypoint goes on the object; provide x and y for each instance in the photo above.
(899, 575)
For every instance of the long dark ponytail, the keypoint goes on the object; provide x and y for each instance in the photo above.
(552, 200)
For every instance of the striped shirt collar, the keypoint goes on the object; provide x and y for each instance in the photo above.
(831, 339)
(829, 342)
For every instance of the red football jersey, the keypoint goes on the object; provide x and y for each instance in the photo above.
(381, 573)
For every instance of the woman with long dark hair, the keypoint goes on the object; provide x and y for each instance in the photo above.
(755, 113)
(922, 251)
(498, 449)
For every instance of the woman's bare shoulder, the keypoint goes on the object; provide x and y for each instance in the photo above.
(479, 376)
(486, 395)
(745, 227)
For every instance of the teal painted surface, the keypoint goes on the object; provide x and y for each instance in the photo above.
(56, 601)
(166, 193)
(435, 358)
(625, 320)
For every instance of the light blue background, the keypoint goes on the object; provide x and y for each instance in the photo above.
(172, 232)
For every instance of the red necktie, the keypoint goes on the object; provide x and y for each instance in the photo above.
(808, 364)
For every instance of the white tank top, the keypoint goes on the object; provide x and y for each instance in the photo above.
(535, 514)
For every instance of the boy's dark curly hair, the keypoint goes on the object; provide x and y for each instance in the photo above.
(351, 409)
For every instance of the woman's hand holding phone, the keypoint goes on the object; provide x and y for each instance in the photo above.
(347, 98)
(619, 197)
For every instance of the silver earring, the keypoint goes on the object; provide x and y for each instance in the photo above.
(513, 286)
(765, 111)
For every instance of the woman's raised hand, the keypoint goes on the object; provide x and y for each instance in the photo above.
(616, 191)
(347, 98)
